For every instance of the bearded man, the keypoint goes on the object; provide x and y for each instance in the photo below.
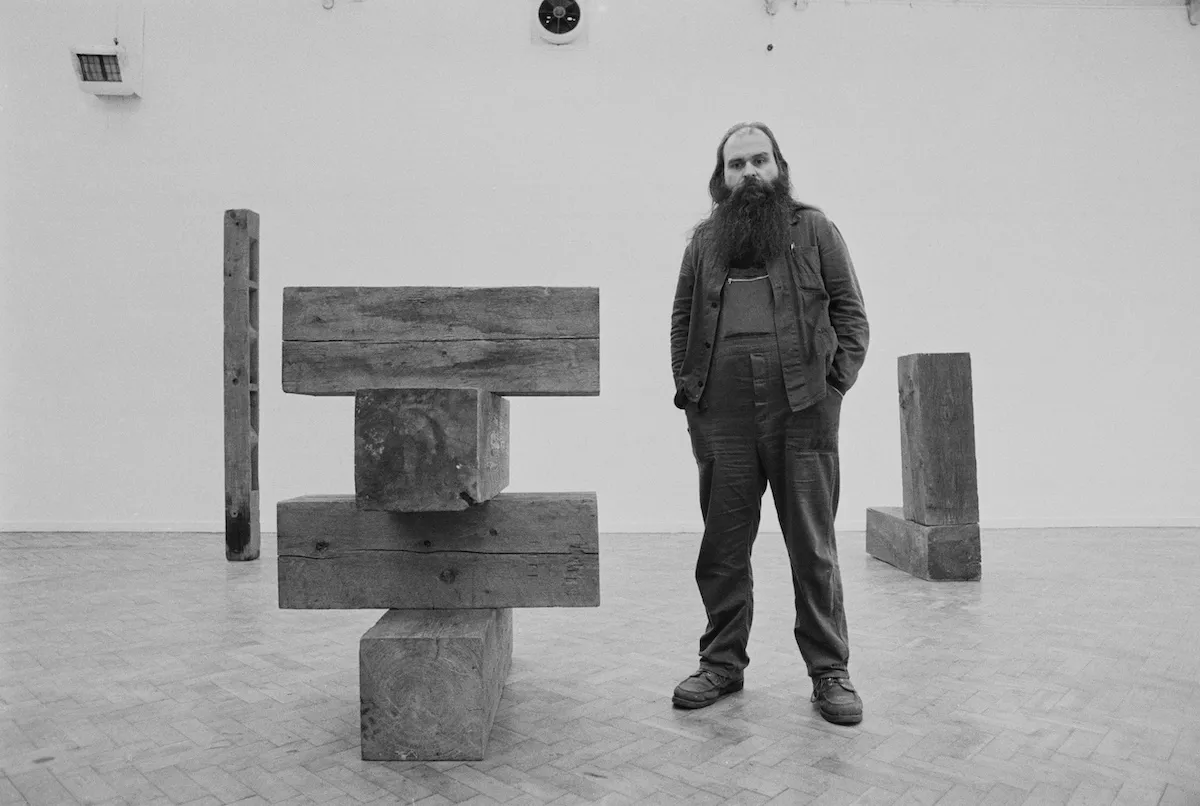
(768, 333)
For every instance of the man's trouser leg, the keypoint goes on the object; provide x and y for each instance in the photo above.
(732, 483)
(802, 465)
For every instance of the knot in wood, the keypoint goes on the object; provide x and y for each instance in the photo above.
(448, 575)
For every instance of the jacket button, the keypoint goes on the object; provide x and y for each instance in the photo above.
(701, 384)
(714, 304)
(708, 344)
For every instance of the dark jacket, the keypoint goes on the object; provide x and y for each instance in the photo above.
(820, 319)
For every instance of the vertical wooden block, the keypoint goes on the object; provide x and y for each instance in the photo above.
(430, 683)
(242, 540)
(937, 439)
(949, 552)
(429, 450)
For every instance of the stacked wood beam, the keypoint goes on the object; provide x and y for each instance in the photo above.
(429, 534)
(936, 534)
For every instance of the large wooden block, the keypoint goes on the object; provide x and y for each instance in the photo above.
(242, 536)
(949, 552)
(517, 550)
(439, 313)
(430, 682)
(937, 439)
(530, 341)
(429, 450)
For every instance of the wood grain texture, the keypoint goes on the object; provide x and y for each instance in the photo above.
(429, 450)
(242, 540)
(439, 313)
(517, 550)
(948, 552)
(937, 439)
(511, 367)
(430, 682)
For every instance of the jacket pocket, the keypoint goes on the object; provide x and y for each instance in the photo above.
(808, 269)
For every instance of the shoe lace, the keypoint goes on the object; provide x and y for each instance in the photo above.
(709, 675)
(823, 684)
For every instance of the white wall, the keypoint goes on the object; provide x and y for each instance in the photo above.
(1019, 183)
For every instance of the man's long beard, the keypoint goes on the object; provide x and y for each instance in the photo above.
(753, 225)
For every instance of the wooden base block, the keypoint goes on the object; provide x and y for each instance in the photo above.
(517, 550)
(931, 552)
(429, 450)
(430, 683)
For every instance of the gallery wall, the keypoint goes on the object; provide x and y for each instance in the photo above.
(1017, 182)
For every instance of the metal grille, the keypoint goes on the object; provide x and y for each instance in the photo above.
(99, 68)
(559, 16)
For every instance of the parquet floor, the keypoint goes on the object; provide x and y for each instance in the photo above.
(145, 669)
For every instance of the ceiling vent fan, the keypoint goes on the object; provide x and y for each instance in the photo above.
(560, 22)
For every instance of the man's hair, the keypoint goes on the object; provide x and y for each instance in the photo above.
(716, 184)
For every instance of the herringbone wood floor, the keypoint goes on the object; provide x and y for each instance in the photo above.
(144, 668)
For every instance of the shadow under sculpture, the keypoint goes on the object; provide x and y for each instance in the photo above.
(429, 535)
(936, 534)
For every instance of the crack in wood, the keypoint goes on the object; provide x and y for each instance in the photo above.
(441, 341)
(575, 551)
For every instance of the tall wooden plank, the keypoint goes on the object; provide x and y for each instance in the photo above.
(242, 535)
(516, 550)
(430, 683)
(429, 450)
(510, 367)
(439, 313)
(937, 439)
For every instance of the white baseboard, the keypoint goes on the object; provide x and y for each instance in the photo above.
(112, 526)
(627, 527)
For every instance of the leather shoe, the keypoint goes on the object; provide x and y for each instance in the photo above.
(838, 701)
(704, 688)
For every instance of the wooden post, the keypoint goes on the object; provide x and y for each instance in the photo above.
(936, 534)
(241, 385)
(937, 439)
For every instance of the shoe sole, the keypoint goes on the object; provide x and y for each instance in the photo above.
(679, 702)
(841, 719)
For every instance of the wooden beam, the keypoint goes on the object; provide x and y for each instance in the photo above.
(242, 530)
(430, 683)
(439, 313)
(517, 550)
(950, 552)
(511, 367)
(937, 439)
(429, 450)
(508, 340)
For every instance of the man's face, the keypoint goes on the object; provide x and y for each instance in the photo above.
(748, 154)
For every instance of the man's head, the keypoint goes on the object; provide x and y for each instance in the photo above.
(752, 203)
(748, 150)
